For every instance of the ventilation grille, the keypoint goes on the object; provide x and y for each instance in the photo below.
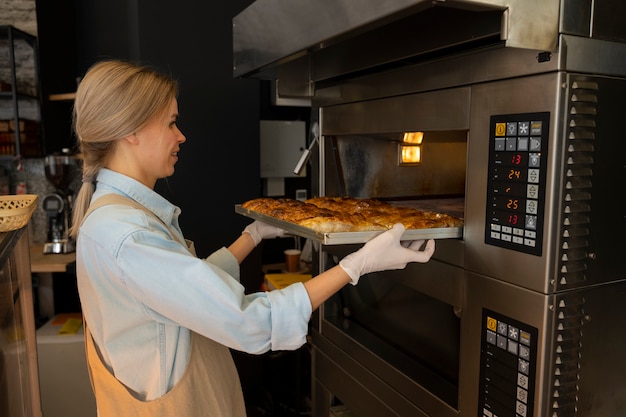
(578, 183)
(566, 356)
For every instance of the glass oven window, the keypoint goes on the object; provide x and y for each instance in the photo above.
(412, 332)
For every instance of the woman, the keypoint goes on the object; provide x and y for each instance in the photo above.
(159, 320)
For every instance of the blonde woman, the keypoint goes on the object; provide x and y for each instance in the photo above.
(160, 321)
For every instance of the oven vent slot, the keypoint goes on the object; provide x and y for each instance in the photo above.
(578, 185)
(567, 355)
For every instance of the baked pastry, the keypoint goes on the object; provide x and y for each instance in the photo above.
(349, 214)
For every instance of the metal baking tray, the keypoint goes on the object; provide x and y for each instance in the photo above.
(346, 238)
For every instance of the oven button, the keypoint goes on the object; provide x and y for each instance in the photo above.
(522, 144)
(535, 143)
(533, 176)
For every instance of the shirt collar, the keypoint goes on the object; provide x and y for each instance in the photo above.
(113, 182)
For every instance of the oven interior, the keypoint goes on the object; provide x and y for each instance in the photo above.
(389, 313)
(370, 166)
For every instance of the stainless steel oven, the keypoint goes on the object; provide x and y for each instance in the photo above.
(519, 108)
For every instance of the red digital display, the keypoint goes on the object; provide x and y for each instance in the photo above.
(509, 219)
(512, 159)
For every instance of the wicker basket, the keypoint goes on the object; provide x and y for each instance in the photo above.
(15, 211)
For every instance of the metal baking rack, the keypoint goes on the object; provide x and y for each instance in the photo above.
(346, 238)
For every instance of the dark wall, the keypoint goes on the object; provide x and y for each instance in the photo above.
(219, 115)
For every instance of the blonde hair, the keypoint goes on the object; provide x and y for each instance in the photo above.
(113, 100)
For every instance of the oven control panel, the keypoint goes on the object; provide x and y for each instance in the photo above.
(516, 186)
(508, 357)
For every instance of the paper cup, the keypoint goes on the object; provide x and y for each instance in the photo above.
(292, 260)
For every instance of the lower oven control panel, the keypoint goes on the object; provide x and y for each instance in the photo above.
(516, 186)
(508, 357)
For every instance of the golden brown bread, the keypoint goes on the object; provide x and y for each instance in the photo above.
(349, 214)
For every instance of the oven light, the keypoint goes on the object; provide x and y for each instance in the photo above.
(410, 150)
(413, 137)
(411, 154)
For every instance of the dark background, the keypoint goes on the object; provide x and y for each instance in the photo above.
(219, 115)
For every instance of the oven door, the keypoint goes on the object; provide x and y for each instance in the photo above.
(390, 346)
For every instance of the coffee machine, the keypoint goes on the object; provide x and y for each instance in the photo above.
(60, 171)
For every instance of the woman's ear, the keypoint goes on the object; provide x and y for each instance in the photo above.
(132, 139)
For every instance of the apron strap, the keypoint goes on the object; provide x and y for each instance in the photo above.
(120, 199)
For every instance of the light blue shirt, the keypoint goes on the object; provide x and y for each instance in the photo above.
(142, 292)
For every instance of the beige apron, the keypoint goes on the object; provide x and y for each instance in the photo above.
(209, 386)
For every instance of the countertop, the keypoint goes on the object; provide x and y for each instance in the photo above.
(52, 262)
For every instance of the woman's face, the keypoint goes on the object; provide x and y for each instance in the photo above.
(158, 145)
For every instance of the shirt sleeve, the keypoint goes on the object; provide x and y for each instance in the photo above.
(178, 288)
(224, 259)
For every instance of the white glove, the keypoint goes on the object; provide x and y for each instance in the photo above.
(259, 231)
(385, 252)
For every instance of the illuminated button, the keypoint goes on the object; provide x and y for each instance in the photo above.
(530, 242)
(518, 240)
(531, 206)
(492, 324)
(499, 144)
(533, 175)
(532, 191)
(534, 160)
(535, 144)
(522, 144)
(511, 144)
(523, 128)
(500, 129)
(531, 222)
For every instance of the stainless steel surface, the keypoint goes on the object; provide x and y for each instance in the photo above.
(558, 293)
(271, 30)
(447, 67)
(300, 45)
(346, 238)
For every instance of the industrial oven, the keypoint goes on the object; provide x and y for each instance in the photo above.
(518, 107)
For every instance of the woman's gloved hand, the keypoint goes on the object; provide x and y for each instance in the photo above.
(259, 231)
(385, 252)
